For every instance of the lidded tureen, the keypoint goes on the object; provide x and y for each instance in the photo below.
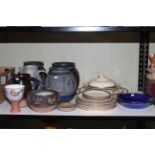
(101, 82)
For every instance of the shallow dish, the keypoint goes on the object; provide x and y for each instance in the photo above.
(135, 100)
(135, 97)
(135, 105)
(66, 106)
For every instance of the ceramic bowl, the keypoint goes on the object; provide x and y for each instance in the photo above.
(135, 100)
(42, 100)
(14, 92)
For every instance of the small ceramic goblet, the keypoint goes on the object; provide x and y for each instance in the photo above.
(14, 93)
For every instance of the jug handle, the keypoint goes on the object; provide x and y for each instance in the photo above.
(43, 75)
(42, 71)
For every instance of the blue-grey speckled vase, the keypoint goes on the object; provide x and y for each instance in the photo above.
(63, 77)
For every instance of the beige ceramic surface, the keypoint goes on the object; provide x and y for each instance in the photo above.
(117, 90)
(96, 94)
(66, 106)
(94, 101)
(102, 82)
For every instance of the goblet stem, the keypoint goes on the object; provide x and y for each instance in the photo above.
(15, 106)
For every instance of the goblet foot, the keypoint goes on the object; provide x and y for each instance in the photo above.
(15, 106)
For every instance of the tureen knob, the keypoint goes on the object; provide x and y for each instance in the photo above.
(100, 76)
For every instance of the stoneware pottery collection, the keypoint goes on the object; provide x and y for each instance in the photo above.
(44, 92)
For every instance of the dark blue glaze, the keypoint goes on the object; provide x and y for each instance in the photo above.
(66, 98)
(135, 100)
(134, 97)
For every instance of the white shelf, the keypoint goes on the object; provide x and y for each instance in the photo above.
(118, 111)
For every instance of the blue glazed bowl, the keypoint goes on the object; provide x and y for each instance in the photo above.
(135, 100)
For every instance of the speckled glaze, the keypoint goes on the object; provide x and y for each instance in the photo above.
(63, 77)
(42, 100)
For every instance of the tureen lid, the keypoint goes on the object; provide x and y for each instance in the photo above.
(102, 82)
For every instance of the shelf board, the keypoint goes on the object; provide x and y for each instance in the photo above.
(72, 34)
(78, 29)
(118, 111)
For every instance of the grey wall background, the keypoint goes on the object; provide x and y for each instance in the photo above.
(118, 61)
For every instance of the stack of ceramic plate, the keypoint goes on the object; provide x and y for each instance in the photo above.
(95, 100)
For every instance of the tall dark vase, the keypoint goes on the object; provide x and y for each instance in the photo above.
(63, 77)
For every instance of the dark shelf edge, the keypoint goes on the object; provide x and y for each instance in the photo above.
(77, 29)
